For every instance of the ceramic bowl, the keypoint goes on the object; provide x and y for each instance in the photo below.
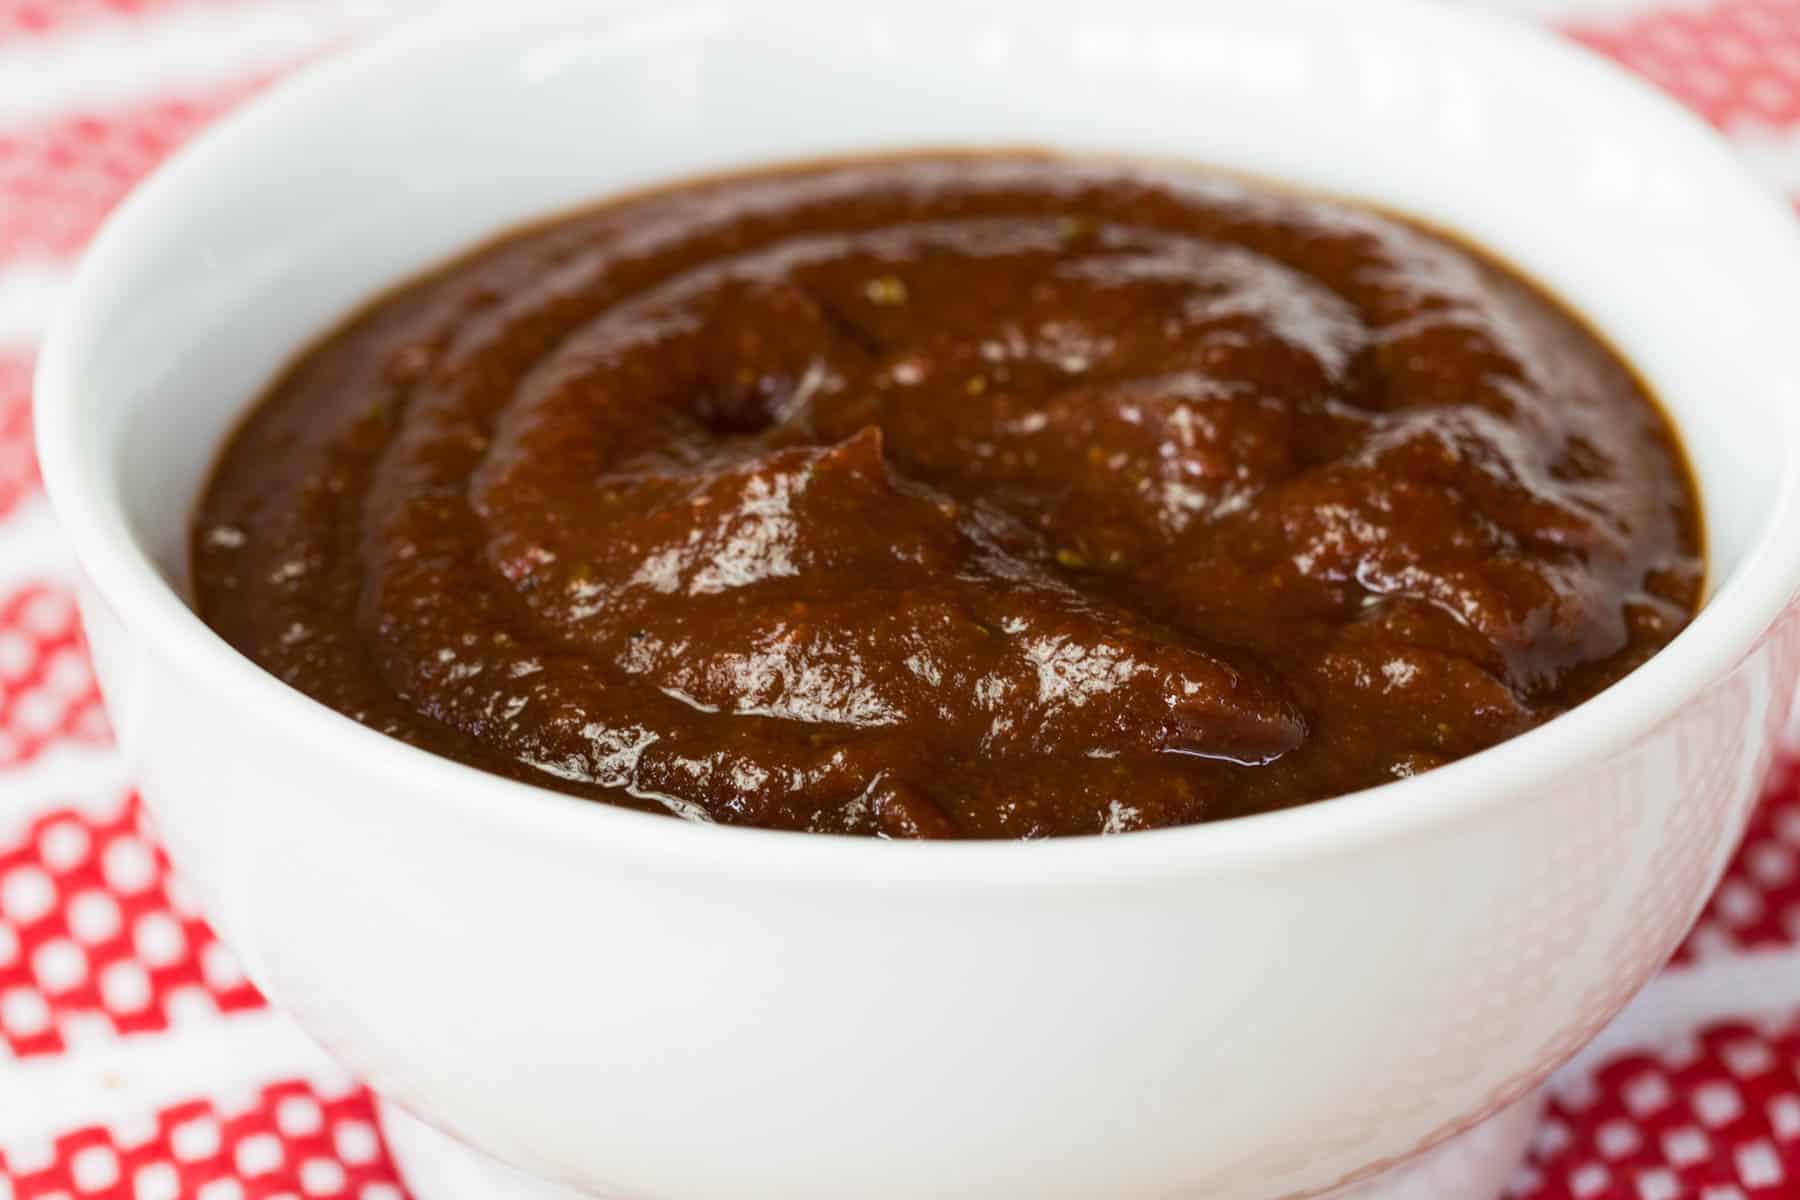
(626, 1005)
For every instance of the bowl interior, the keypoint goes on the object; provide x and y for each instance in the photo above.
(390, 160)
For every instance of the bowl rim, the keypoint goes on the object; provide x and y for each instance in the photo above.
(87, 505)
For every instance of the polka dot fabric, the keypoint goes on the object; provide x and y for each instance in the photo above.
(1714, 1116)
(142, 1065)
(1735, 62)
(59, 178)
(18, 459)
(289, 1140)
(97, 940)
(36, 18)
(1757, 907)
(47, 688)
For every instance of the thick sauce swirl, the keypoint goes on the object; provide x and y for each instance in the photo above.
(994, 496)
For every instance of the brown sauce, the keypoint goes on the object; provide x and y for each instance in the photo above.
(956, 496)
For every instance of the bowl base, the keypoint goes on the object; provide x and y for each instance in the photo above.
(1477, 1163)
(1474, 1165)
(436, 1166)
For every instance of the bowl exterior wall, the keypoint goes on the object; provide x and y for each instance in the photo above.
(649, 1029)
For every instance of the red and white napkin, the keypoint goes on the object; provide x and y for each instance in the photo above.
(145, 1067)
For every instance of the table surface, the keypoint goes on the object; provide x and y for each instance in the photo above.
(144, 1065)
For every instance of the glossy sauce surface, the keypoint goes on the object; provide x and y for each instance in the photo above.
(988, 496)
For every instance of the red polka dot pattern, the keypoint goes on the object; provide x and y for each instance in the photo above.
(1711, 1117)
(58, 180)
(18, 457)
(1757, 905)
(47, 688)
(290, 1140)
(32, 18)
(96, 939)
(1735, 62)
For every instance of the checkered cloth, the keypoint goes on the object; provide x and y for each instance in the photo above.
(145, 1066)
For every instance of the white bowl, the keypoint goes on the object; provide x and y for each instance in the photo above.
(634, 1006)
